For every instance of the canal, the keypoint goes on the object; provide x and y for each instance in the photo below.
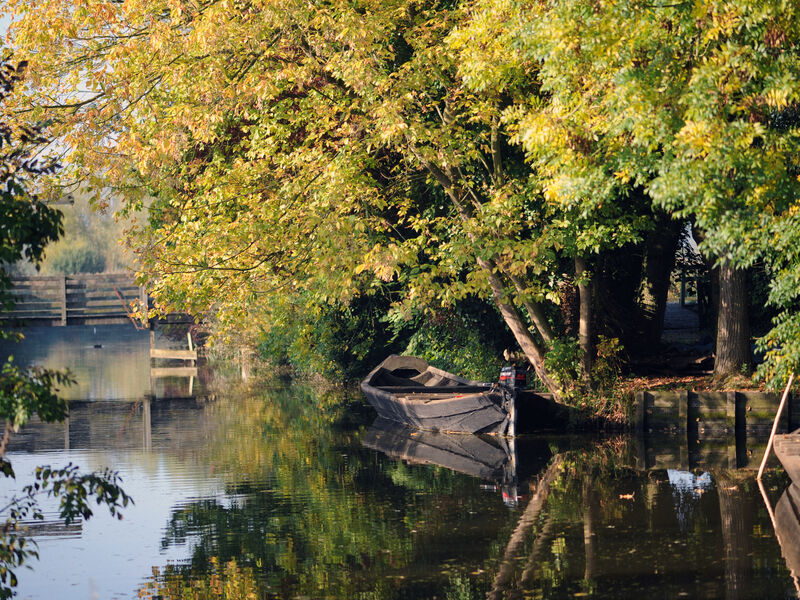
(257, 489)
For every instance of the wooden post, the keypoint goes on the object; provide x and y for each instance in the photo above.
(63, 283)
(731, 410)
(791, 543)
(775, 426)
(147, 425)
(191, 348)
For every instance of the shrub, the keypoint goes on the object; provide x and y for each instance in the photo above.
(75, 256)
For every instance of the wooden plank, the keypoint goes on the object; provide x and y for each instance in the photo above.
(119, 314)
(36, 279)
(712, 402)
(97, 279)
(111, 320)
(54, 314)
(177, 354)
(47, 302)
(98, 310)
(53, 309)
(22, 294)
(640, 413)
(116, 274)
(96, 292)
(102, 303)
(159, 372)
(665, 411)
(42, 286)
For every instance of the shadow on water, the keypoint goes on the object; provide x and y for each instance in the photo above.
(284, 491)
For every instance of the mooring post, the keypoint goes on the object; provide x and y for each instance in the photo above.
(775, 426)
(147, 425)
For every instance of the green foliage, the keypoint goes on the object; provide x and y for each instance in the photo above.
(29, 392)
(461, 588)
(225, 582)
(339, 342)
(78, 256)
(26, 227)
(608, 363)
(402, 144)
(312, 521)
(27, 223)
(460, 342)
(563, 362)
(607, 402)
(92, 240)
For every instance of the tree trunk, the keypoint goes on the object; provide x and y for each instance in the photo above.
(659, 260)
(585, 320)
(733, 324)
(533, 351)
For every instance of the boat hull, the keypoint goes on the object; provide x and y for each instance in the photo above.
(787, 449)
(435, 400)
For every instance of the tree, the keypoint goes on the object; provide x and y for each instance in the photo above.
(678, 99)
(28, 224)
(292, 165)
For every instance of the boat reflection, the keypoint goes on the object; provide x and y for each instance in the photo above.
(491, 458)
(787, 530)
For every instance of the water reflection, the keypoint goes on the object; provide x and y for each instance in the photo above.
(491, 458)
(787, 529)
(276, 491)
(109, 362)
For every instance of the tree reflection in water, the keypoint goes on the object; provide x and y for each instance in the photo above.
(310, 512)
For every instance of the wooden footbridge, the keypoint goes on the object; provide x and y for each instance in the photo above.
(88, 299)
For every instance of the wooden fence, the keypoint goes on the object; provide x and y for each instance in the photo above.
(74, 299)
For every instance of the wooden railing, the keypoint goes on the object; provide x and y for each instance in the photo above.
(74, 299)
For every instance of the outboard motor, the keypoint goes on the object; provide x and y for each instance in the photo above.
(513, 377)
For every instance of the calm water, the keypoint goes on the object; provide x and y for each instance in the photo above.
(293, 492)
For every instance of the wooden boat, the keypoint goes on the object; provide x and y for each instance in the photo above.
(787, 449)
(488, 458)
(410, 391)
